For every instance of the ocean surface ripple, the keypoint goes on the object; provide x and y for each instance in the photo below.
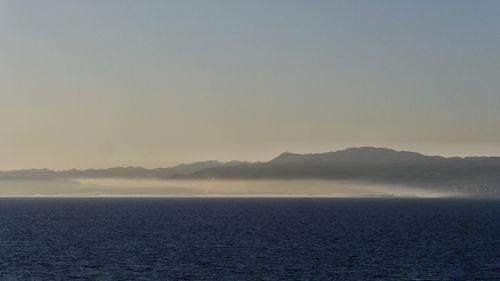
(249, 239)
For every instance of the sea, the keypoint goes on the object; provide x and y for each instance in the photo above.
(249, 239)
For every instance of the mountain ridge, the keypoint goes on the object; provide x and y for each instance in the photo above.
(376, 165)
(369, 164)
(119, 172)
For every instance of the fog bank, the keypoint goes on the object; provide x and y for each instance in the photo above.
(209, 188)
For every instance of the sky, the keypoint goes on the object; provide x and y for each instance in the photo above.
(156, 83)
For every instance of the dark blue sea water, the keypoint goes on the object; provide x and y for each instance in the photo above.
(249, 239)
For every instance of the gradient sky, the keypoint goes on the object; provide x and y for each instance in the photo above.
(155, 83)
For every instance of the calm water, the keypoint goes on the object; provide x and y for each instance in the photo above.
(249, 239)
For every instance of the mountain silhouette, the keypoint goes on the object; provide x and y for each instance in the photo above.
(469, 175)
(378, 165)
(117, 172)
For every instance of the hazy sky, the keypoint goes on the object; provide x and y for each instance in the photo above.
(155, 83)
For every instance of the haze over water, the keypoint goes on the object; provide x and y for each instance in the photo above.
(210, 188)
(250, 140)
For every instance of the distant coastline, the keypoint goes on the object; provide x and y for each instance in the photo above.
(475, 176)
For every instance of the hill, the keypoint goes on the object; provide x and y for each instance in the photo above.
(378, 165)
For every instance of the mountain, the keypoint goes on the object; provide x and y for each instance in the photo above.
(378, 165)
(467, 175)
(118, 172)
